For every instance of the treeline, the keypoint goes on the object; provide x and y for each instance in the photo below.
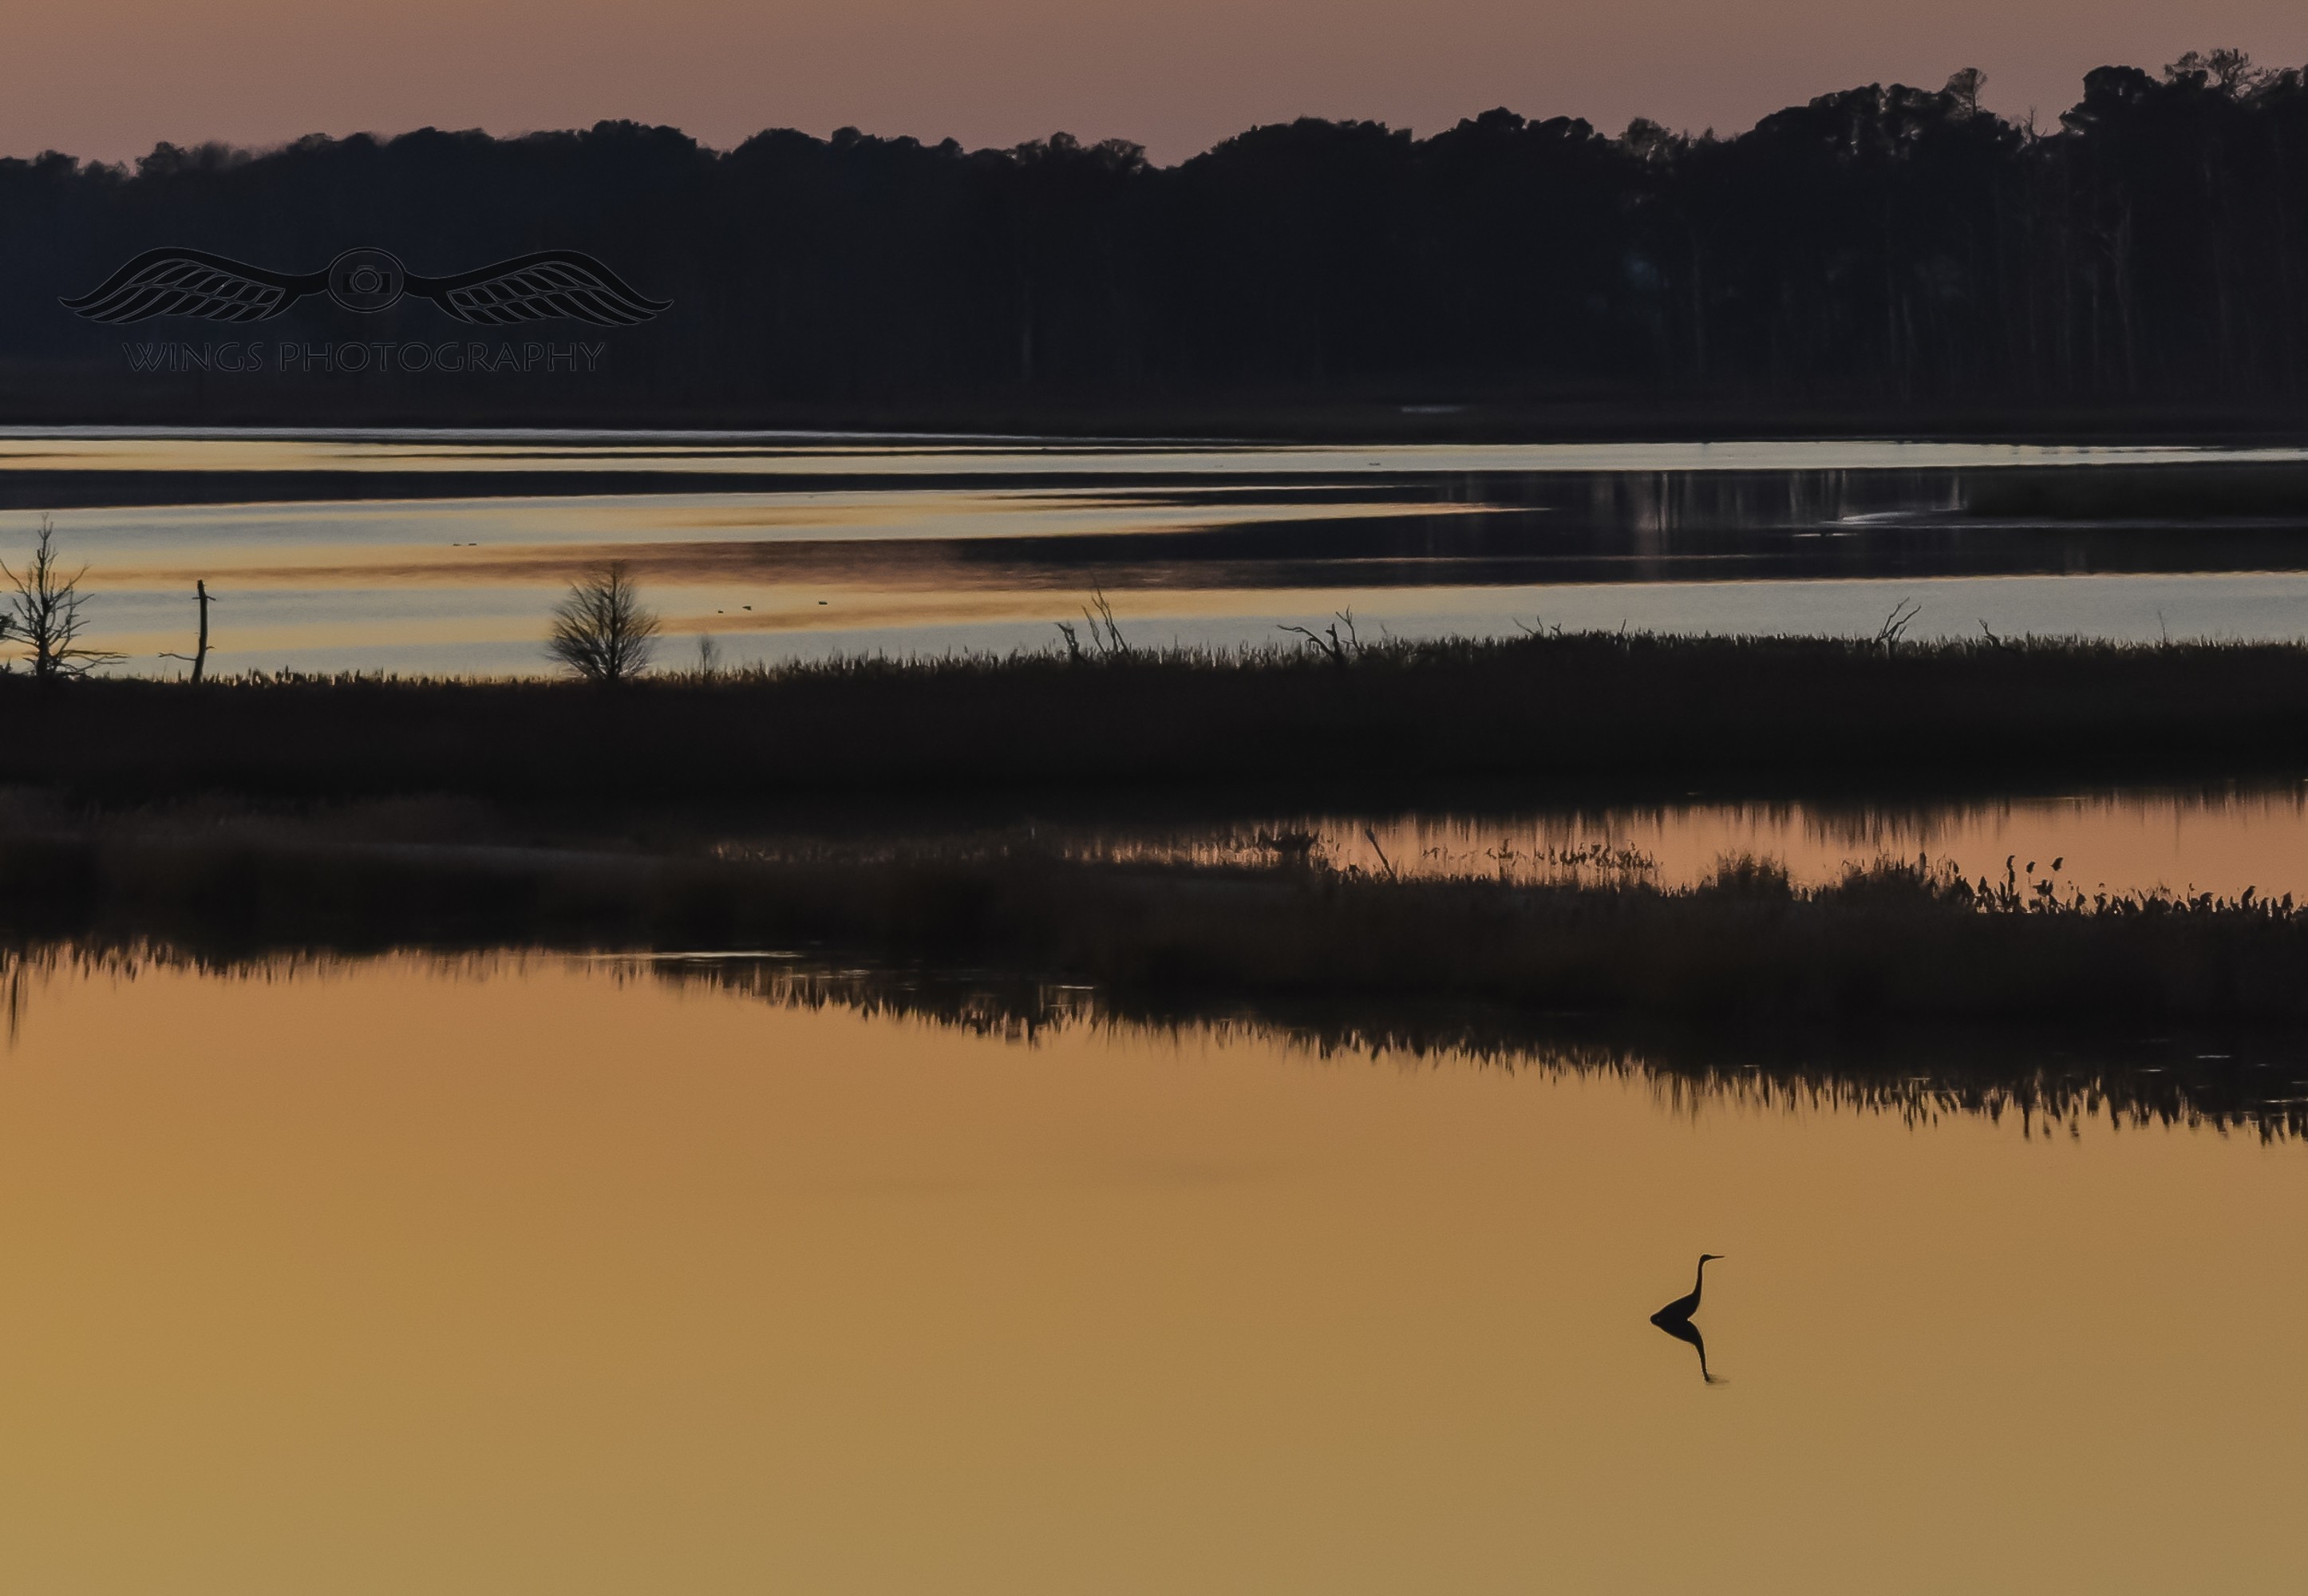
(1896, 245)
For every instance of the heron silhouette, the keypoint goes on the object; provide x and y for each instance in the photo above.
(1675, 1318)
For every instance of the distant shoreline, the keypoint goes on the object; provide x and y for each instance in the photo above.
(40, 393)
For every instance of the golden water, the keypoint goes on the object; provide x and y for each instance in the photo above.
(555, 1276)
(2118, 841)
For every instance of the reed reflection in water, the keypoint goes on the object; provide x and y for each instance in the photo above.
(2125, 841)
(509, 1273)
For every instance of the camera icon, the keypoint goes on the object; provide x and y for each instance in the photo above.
(366, 279)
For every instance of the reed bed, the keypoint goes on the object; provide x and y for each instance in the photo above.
(1663, 711)
(1893, 940)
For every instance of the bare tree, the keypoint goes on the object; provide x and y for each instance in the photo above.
(1105, 637)
(601, 630)
(199, 658)
(1896, 624)
(45, 613)
(1337, 650)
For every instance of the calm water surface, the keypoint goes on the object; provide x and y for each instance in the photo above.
(555, 1275)
(2121, 840)
(441, 552)
(2220, 840)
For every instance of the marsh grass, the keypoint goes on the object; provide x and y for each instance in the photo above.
(1890, 940)
(1666, 710)
(169, 814)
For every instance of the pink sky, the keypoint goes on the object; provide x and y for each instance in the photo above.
(111, 79)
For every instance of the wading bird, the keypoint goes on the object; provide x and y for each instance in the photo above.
(1680, 1310)
(1675, 1318)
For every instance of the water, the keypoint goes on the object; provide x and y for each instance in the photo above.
(2120, 839)
(555, 1274)
(443, 552)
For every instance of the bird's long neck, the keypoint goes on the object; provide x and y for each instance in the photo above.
(1698, 1284)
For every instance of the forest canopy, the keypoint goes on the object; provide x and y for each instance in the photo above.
(1900, 244)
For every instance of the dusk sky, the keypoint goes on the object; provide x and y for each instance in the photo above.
(110, 83)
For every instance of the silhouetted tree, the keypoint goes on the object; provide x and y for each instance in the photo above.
(601, 631)
(45, 612)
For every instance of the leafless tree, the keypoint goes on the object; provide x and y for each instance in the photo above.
(1896, 624)
(199, 658)
(601, 631)
(1103, 632)
(1106, 639)
(44, 612)
(1337, 650)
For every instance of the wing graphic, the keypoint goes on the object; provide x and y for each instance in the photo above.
(190, 283)
(536, 288)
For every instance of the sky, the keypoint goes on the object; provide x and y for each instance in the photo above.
(1175, 77)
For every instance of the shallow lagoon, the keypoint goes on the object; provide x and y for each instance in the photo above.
(440, 552)
(556, 1272)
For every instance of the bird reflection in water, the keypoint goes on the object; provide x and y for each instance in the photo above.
(1675, 1318)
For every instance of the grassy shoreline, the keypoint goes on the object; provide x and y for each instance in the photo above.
(1664, 713)
(1889, 942)
(258, 815)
